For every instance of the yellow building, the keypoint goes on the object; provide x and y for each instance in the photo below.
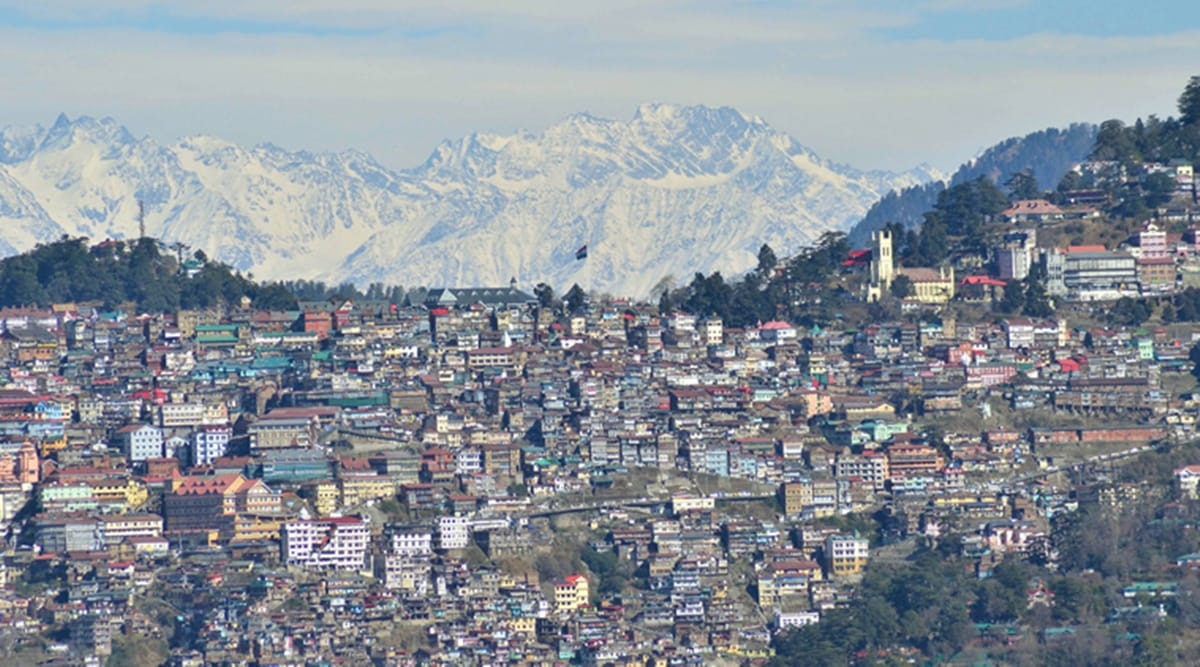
(796, 496)
(526, 625)
(131, 493)
(571, 594)
(765, 592)
(787, 579)
(846, 555)
(357, 490)
(324, 495)
(928, 285)
(252, 528)
(49, 446)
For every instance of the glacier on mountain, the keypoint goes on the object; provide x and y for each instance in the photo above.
(673, 191)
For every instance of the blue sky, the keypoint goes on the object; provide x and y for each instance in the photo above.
(872, 83)
(1002, 20)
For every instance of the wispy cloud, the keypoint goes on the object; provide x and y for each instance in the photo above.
(866, 82)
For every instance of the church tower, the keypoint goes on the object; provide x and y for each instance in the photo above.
(881, 264)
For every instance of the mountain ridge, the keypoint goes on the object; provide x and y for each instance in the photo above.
(674, 190)
(1047, 153)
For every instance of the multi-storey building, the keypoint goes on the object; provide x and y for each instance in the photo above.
(179, 415)
(845, 555)
(571, 594)
(796, 495)
(411, 541)
(208, 443)
(19, 465)
(871, 467)
(63, 535)
(332, 543)
(408, 574)
(281, 433)
(913, 459)
(1015, 255)
(210, 502)
(115, 528)
(786, 580)
(712, 331)
(360, 489)
(454, 532)
(139, 441)
(1090, 273)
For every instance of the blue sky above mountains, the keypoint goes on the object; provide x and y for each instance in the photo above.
(872, 83)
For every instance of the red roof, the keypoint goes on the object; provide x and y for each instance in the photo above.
(147, 395)
(775, 325)
(983, 280)
(858, 257)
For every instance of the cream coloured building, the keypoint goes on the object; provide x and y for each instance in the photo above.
(929, 285)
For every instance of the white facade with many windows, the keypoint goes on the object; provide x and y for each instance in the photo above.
(412, 543)
(454, 532)
(140, 441)
(175, 415)
(209, 443)
(322, 544)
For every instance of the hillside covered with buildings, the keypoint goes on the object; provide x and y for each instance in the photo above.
(973, 442)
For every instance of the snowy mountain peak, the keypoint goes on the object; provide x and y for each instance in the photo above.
(673, 115)
(673, 190)
(65, 132)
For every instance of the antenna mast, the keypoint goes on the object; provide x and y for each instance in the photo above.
(141, 219)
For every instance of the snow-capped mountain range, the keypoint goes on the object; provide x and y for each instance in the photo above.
(673, 191)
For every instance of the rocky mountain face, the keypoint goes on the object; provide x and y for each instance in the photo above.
(672, 191)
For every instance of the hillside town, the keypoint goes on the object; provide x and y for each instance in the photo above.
(478, 478)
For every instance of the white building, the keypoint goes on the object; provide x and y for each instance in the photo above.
(114, 528)
(881, 264)
(139, 441)
(333, 543)
(712, 331)
(176, 415)
(210, 443)
(454, 532)
(404, 573)
(1189, 479)
(776, 331)
(682, 325)
(468, 461)
(795, 619)
(1019, 333)
(684, 503)
(1090, 273)
(177, 447)
(1015, 255)
(412, 542)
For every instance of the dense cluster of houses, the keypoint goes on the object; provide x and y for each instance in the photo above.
(297, 485)
(1152, 262)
